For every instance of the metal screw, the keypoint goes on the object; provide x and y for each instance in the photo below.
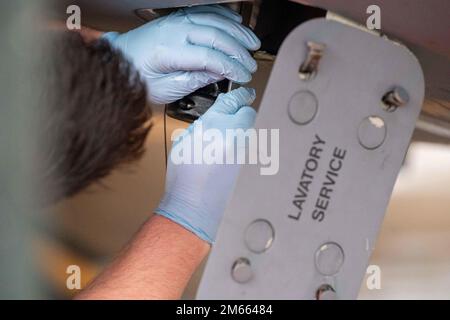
(395, 98)
(310, 66)
(326, 292)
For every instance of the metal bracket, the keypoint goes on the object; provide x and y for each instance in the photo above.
(308, 231)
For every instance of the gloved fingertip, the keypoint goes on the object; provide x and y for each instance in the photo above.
(252, 95)
(240, 75)
(232, 101)
(236, 16)
(109, 36)
(252, 92)
(253, 43)
(245, 95)
(257, 44)
(253, 66)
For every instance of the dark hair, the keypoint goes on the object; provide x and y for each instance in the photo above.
(97, 117)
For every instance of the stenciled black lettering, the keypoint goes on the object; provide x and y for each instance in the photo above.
(318, 215)
(307, 176)
(325, 192)
(329, 184)
(335, 164)
(318, 140)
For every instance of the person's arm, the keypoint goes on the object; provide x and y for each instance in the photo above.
(160, 260)
(157, 264)
(165, 253)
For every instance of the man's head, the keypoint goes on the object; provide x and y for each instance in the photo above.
(97, 117)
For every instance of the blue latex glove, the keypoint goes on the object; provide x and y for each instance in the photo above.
(196, 194)
(189, 49)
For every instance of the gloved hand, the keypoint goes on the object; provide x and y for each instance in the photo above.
(196, 194)
(189, 49)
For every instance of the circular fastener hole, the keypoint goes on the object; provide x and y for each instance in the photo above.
(303, 107)
(329, 258)
(241, 271)
(259, 236)
(372, 132)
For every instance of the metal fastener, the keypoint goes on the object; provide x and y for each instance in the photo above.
(395, 98)
(310, 66)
